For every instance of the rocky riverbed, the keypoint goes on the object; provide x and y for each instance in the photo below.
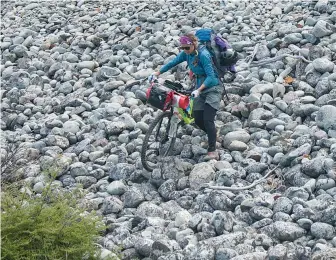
(71, 95)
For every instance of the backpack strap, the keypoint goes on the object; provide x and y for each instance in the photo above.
(219, 77)
(199, 50)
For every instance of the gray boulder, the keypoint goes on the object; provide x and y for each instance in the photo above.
(239, 135)
(91, 65)
(283, 204)
(302, 150)
(297, 192)
(262, 88)
(133, 197)
(121, 171)
(327, 253)
(251, 256)
(167, 188)
(321, 29)
(293, 38)
(172, 168)
(284, 231)
(218, 200)
(278, 252)
(78, 169)
(222, 221)
(323, 65)
(71, 127)
(56, 140)
(86, 181)
(200, 174)
(305, 223)
(263, 52)
(326, 117)
(225, 254)
(116, 188)
(115, 128)
(112, 204)
(106, 72)
(202, 252)
(260, 212)
(144, 246)
(314, 167)
(260, 114)
(149, 209)
(322, 230)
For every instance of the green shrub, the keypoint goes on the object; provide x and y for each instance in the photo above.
(47, 226)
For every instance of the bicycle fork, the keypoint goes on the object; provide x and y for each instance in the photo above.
(174, 121)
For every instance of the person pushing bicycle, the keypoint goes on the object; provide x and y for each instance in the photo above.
(207, 93)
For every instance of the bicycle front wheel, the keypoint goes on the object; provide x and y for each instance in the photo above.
(157, 143)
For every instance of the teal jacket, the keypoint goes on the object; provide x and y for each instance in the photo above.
(204, 70)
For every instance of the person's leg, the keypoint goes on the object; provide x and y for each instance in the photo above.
(198, 115)
(198, 110)
(209, 124)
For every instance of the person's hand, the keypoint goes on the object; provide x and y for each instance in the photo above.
(153, 76)
(195, 93)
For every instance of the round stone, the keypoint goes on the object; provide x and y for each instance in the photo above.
(322, 230)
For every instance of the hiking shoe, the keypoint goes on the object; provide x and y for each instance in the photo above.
(212, 156)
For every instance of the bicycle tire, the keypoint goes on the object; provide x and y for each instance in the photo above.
(157, 121)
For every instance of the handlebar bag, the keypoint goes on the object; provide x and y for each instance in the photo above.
(160, 97)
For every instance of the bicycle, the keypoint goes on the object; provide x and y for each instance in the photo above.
(163, 130)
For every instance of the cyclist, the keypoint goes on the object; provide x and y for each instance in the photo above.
(207, 93)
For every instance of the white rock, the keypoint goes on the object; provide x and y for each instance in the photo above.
(71, 127)
(237, 146)
(262, 88)
(239, 135)
(182, 218)
(116, 188)
(276, 10)
(91, 65)
(201, 173)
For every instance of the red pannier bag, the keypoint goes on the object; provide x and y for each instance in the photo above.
(181, 101)
(160, 97)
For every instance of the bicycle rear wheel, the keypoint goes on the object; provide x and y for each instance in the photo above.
(157, 143)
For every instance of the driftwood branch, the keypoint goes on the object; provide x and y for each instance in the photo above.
(274, 59)
(120, 38)
(141, 8)
(241, 188)
(283, 74)
(250, 58)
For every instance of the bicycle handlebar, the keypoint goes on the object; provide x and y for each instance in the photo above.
(178, 87)
(185, 92)
(175, 86)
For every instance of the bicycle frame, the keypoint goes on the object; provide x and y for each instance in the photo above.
(186, 116)
(179, 115)
(173, 123)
